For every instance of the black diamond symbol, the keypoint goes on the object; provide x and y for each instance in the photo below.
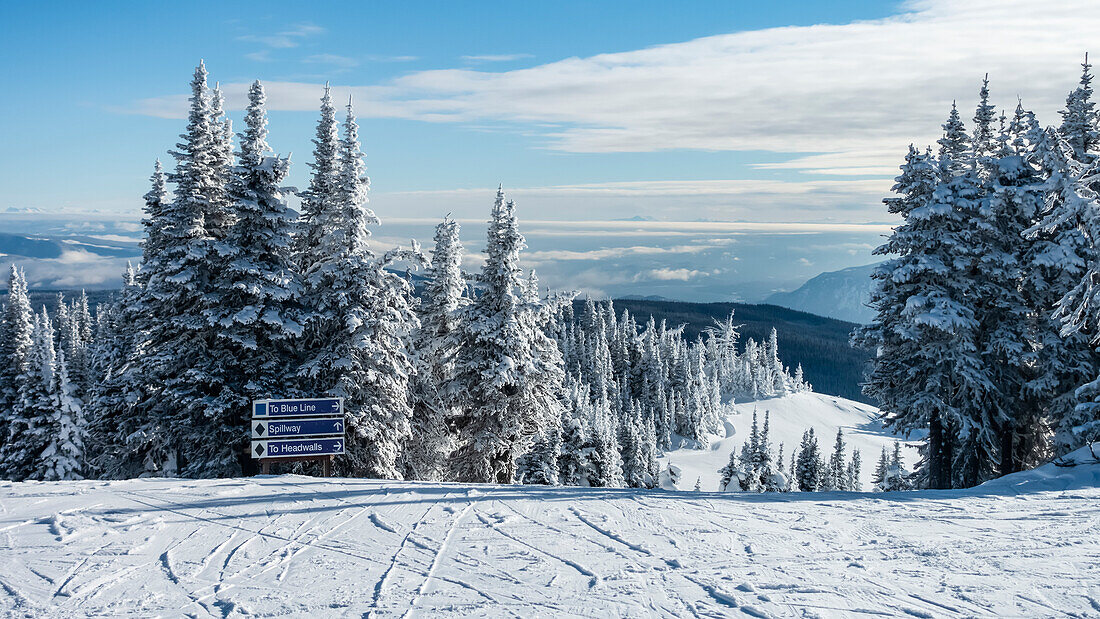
(260, 429)
(260, 449)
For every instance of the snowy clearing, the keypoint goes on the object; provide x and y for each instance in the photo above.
(791, 415)
(1022, 546)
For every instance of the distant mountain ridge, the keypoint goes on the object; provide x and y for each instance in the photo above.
(839, 294)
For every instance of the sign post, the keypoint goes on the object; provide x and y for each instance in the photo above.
(302, 430)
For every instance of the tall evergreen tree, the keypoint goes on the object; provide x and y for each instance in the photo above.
(1079, 119)
(927, 365)
(434, 347)
(218, 215)
(984, 143)
(16, 331)
(358, 314)
(315, 219)
(29, 432)
(253, 301)
(855, 466)
(836, 475)
(954, 145)
(544, 388)
(494, 362)
(63, 457)
(808, 471)
(166, 391)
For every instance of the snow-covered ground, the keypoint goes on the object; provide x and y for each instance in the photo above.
(791, 415)
(1024, 546)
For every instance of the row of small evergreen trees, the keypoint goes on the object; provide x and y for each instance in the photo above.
(756, 468)
(472, 378)
(987, 316)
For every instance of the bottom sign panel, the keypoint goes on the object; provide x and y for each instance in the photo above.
(296, 448)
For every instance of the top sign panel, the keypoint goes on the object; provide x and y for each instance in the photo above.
(298, 408)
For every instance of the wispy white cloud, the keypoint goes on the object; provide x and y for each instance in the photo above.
(385, 58)
(291, 37)
(496, 57)
(858, 92)
(263, 55)
(681, 275)
(558, 255)
(332, 60)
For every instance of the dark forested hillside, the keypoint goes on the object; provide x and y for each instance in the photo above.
(820, 344)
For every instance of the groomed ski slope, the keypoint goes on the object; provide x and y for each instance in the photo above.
(1025, 546)
(791, 415)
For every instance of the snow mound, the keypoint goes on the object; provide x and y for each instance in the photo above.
(1074, 471)
(791, 415)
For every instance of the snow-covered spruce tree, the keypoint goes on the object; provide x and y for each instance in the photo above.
(631, 435)
(434, 346)
(70, 340)
(62, 323)
(984, 142)
(495, 363)
(962, 439)
(16, 339)
(314, 217)
(544, 389)
(1006, 304)
(808, 469)
(771, 475)
(649, 446)
(573, 462)
(218, 215)
(123, 326)
(853, 472)
(1065, 269)
(604, 456)
(1009, 196)
(954, 148)
(799, 379)
(175, 375)
(896, 478)
(116, 323)
(63, 458)
(749, 473)
(79, 358)
(1079, 118)
(84, 319)
(927, 367)
(358, 315)
(253, 309)
(154, 225)
(779, 379)
(879, 475)
(836, 474)
(29, 429)
(734, 471)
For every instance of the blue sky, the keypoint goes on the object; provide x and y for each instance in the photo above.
(697, 111)
(79, 66)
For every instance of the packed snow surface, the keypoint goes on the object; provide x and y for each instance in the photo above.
(1025, 546)
(790, 416)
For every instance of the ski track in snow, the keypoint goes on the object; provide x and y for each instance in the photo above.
(290, 545)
